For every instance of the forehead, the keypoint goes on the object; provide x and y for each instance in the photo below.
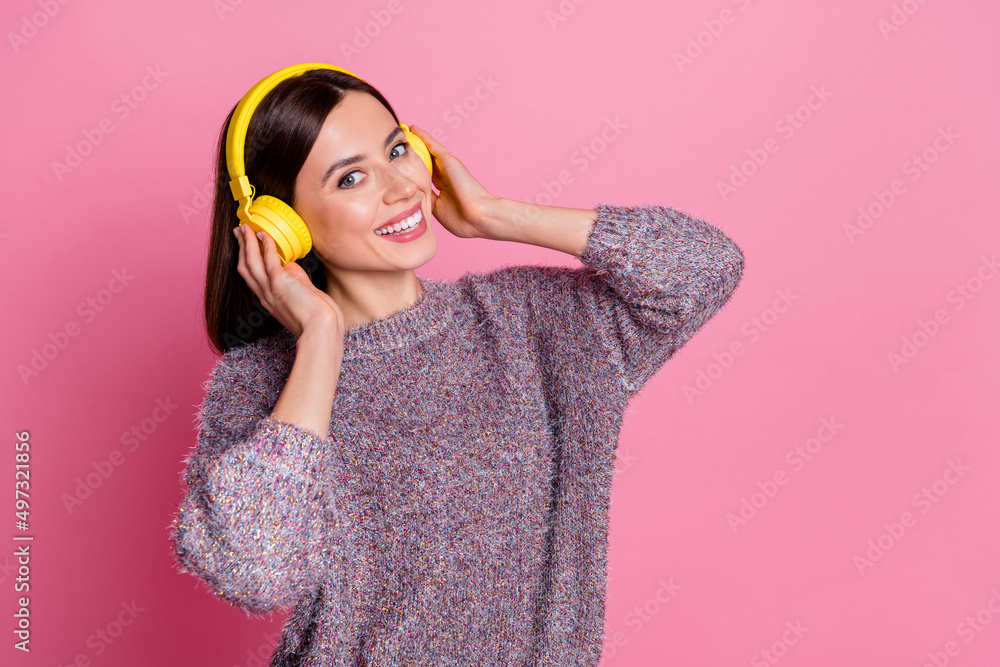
(357, 125)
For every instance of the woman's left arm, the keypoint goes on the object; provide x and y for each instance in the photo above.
(652, 277)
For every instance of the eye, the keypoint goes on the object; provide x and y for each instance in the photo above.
(402, 143)
(349, 176)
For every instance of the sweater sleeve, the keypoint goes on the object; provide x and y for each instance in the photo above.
(656, 276)
(257, 522)
(652, 276)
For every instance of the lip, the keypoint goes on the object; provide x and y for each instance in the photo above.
(407, 236)
(399, 218)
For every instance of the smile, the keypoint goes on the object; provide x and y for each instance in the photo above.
(402, 226)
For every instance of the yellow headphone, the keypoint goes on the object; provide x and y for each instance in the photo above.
(269, 214)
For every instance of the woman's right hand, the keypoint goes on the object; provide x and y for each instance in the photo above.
(285, 291)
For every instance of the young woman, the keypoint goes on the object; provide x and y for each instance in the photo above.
(422, 468)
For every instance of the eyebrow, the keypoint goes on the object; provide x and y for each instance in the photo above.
(356, 158)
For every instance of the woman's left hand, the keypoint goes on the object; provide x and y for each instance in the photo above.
(463, 205)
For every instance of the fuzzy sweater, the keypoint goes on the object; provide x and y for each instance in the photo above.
(457, 511)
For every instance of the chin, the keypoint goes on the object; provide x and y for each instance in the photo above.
(428, 249)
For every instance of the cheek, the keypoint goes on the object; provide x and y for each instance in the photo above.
(416, 171)
(351, 211)
(331, 221)
(355, 217)
(425, 177)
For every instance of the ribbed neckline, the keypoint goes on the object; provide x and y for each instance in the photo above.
(421, 319)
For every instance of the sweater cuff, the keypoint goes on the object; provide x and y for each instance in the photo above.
(288, 448)
(637, 238)
(616, 230)
(607, 237)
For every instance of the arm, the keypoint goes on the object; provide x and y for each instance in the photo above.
(652, 276)
(257, 521)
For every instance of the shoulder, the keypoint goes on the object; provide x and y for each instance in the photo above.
(242, 387)
(549, 310)
(255, 367)
(520, 291)
(554, 309)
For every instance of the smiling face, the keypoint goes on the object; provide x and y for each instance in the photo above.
(360, 175)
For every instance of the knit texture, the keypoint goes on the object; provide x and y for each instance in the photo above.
(457, 511)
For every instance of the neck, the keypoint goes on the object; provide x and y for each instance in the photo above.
(367, 296)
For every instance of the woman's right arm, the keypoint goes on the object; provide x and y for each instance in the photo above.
(307, 398)
(267, 510)
(264, 519)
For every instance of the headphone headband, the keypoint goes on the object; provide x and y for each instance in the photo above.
(240, 122)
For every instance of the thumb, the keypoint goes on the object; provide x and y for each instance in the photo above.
(298, 273)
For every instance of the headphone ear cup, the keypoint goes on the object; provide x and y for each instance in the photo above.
(419, 147)
(281, 222)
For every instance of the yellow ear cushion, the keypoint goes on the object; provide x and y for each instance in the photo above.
(284, 225)
(419, 146)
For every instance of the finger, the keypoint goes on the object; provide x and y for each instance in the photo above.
(253, 262)
(272, 262)
(439, 175)
(240, 259)
(241, 267)
(437, 206)
(255, 257)
(433, 144)
(298, 273)
(434, 202)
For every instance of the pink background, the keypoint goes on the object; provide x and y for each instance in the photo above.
(687, 585)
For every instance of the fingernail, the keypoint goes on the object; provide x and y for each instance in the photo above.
(260, 235)
(236, 232)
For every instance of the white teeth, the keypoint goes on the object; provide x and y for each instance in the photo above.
(403, 225)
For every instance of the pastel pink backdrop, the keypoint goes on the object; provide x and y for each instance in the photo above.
(815, 321)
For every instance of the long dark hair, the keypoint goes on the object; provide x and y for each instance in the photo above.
(280, 136)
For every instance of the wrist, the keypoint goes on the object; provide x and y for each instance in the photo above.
(509, 220)
(321, 331)
(554, 227)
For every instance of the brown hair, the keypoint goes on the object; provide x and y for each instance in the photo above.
(280, 136)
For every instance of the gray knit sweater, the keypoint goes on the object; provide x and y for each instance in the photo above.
(457, 511)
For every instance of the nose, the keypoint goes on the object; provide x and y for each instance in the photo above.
(398, 183)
